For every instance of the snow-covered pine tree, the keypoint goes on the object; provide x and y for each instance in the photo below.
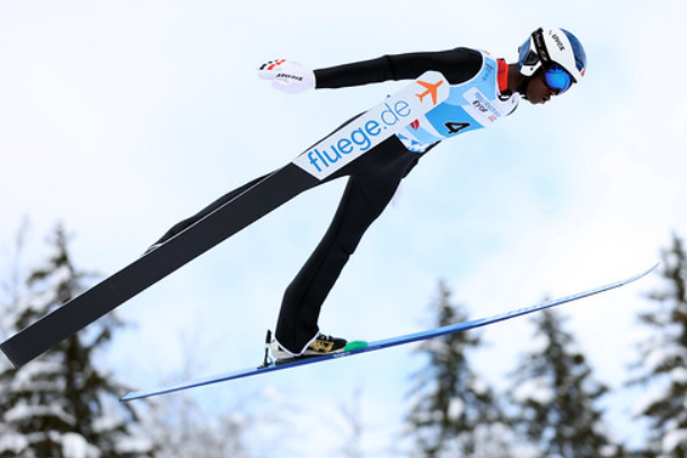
(453, 411)
(182, 429)
(62, 405)
(663, 364)
(555, 396)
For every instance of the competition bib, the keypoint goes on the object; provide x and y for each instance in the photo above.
(471, 105)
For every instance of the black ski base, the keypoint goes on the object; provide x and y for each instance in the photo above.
(265, 196)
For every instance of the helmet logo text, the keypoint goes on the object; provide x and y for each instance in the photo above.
(559, 43)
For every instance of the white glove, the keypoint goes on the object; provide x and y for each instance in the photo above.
(287, 76)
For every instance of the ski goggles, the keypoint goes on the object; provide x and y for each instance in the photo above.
(557, 78)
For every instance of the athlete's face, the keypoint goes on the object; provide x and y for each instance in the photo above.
(537, 91)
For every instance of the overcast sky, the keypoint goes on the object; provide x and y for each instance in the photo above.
(121, 118)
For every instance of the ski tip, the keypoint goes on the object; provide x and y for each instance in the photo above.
(355, 345)
(648, 271)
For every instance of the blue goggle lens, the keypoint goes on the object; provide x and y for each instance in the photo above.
(557, 78)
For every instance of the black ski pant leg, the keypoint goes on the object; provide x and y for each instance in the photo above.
(180, 226)
(372, 184)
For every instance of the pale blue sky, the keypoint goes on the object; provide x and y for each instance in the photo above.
(120, 118)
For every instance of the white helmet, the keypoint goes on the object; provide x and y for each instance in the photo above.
(549, 46)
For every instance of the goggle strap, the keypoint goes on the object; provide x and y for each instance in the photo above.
(540, 46)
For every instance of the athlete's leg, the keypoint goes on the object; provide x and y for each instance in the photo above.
(180, 226)
(370, 188)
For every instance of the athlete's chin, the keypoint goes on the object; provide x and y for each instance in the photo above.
(539, 101)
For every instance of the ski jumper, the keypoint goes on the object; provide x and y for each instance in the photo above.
(475, 101)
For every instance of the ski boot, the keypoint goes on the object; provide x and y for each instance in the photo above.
(322, 345)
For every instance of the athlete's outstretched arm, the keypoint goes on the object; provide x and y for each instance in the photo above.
(457, 65)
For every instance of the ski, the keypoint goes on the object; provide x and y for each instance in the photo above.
(306, 171)
(356, 348)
